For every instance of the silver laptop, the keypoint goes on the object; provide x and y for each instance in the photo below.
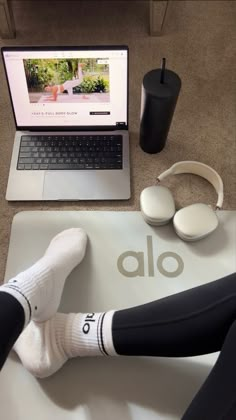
(71, 111)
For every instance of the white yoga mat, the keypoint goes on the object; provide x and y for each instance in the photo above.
(127, 263)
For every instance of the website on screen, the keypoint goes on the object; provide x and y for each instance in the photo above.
(68, 88)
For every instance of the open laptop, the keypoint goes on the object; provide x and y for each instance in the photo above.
(71, 111)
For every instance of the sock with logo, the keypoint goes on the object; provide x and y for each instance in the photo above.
(44, 347)
(39, 288)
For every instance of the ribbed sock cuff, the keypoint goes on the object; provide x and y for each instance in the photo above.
(36, 284)
(107, 333)
(89, 334)
(32, 282)
(83, 335)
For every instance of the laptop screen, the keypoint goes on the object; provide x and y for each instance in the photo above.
(68, 87)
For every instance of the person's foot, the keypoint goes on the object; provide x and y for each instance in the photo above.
(44, 347)
(39, 288)
(41, 346)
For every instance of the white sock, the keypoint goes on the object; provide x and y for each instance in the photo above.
(39, 288)
(43, 348)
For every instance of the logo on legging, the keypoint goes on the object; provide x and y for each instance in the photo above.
(139, 271)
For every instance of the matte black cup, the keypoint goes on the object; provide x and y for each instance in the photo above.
(160, 91)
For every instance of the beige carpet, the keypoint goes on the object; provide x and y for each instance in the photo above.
(199, 42)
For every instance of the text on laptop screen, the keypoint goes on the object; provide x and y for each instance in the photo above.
(68, 88)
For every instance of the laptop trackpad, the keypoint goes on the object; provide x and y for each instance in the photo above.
(71, 185)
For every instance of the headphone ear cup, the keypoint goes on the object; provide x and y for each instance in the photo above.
(194, 222)
(157, 205)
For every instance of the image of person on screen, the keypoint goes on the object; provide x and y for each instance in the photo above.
(68, 86)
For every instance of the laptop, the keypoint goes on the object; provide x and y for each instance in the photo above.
(70, 106)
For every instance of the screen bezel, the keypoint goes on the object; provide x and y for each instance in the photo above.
(69, 48)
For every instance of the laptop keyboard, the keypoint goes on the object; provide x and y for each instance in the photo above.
(70, 152)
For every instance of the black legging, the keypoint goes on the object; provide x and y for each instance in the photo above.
(12, 319)
(194, 322)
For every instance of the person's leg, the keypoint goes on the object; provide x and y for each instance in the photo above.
(216, 398)
(190, 323)
(12, 320)
(70, 84)
(36, 293)
(67, 86)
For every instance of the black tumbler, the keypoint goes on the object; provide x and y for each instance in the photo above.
(160, 92)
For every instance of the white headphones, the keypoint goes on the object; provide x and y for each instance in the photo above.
(193, 222)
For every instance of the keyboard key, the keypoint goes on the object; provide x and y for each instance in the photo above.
(25, 138)
(26, 160)
(20, 167)
(43, 166)
(25, 149)
(25, 155)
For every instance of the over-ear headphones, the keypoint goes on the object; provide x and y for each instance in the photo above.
(193, 222)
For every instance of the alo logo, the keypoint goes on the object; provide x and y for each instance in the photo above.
(140, 270)
(89, 318)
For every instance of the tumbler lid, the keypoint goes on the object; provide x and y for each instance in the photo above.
(162, 85)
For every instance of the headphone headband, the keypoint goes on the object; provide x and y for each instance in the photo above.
(200, 169)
